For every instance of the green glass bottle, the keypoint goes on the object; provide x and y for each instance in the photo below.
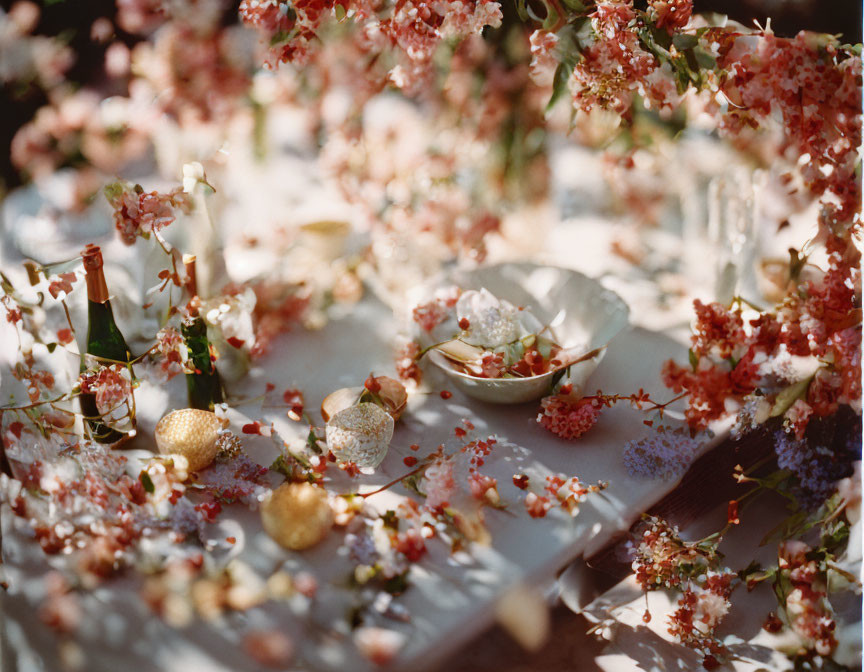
(203, 385)
(104, 341)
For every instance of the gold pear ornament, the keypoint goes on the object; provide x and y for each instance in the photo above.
(297, 515)
(192, 433)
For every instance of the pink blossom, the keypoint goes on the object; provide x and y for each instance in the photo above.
(111, 385)
(430, 315)
(544, 60)
(139, 213)
(536, 505)
(407, 367)
(270, 648)
(378, 645)
(172, 350)
(411, 544)
(796, 417)
(566, 417)
(438, 483)
(671, 14)
(481, 484)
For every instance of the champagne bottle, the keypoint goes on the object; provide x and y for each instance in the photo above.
(104, 341)
(203, 385)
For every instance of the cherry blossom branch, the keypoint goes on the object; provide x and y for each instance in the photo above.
(395, 481)
(636, 400)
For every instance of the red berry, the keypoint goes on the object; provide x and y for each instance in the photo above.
(772, 623)
(445, 394)
(372, 384)
(464, 323)
(410, 461)
(710, 663)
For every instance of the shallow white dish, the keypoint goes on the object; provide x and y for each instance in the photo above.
(582, 314)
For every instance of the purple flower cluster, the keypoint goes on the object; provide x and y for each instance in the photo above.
(665, 455)
(235, 479)
(821, 458)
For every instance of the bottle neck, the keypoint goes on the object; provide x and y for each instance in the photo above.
(191, 285)
(97, 289)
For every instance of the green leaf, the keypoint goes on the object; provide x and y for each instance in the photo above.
(515, 352)
(397, 584)
(285, 466)
(544, 347)
(683, 72)
(390, 520)
(147, 482)
(714, 19)
(705, 60)
(754, 574)
(694, 360)
(575, 5)
(558, 375)
(559, 84)
(683, 41)
(533, 14)
(789, 396)
(312, 442)
(551, 17)
(412, 483)
(835, 535)
(661, 37)
(693, 68)
(522, 11)
(340, 12)
(797, 261)
(51, 347)
(787, 529)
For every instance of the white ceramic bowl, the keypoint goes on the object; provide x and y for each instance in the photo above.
(582, 314)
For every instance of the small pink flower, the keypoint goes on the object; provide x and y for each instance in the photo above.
(378, 645)
(172, 349)
(306, 584)
(270, 648)
(62, 284)
(797, 417)
(481, 484)
(536, 505)
(543, 58)
(139, 213)
(438, 484)
(411, 544)
(430, 315)
(671, 14)
(566, 417)
(110, 384)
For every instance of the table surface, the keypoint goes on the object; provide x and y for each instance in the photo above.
(451, 600)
